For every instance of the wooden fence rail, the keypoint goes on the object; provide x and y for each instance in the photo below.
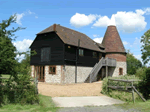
(120, 88)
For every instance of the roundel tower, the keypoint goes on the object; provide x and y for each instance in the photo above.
(114, 49)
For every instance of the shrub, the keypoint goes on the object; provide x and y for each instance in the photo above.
(140, 72)
(144, 86)
(15, 92)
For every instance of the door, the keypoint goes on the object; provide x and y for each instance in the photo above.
(40, 73)
(100, 56)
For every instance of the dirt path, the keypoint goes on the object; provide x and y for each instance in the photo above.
(82, 89)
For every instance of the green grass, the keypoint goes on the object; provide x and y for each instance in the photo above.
(140, 105)
(5, 76)
(46, 105)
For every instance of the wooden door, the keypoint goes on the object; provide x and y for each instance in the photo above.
(41, 73)
(100, 56)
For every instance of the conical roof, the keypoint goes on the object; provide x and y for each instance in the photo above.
(112, 41)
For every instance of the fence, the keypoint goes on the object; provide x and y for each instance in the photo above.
(120, 88)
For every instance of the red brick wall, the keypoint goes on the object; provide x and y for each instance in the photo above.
(118, 57)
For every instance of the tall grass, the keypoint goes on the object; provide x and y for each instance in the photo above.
(46, 105)
(125, 96)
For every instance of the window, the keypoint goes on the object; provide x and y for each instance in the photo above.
(94, 54)
(120, 71)
(45, 54)
(81, 52)
(52, 69)
(100, 55)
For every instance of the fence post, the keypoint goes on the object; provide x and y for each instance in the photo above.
(132, 93)
(108, 85)
(36, 84)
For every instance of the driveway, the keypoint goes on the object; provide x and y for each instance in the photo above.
(85, 101)
(90, 104)
(69, 90)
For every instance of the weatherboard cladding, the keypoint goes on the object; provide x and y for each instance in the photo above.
(69, 36)
(112, 41)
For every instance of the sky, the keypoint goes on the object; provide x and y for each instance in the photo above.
(91, 17)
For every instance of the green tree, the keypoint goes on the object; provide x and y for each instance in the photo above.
(132, 63)
(145, 40)
(24, 65)
(7, 49)
(10, 65)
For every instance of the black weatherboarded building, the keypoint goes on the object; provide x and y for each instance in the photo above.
(59, 48)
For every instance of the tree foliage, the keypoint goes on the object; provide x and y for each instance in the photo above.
(144, 85)
(145, 40)
(132, 63)
(7, 49)
(9, 65)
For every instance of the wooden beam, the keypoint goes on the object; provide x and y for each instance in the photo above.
(121, 86)
(129, 81)
(120, 89)
(138, 94)
(106, 71)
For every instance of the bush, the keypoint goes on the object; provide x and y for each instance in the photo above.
(14, 91)
(119, 94)
(140, 72)
(144, 86)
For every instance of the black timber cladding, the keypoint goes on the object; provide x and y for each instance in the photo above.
(86, 60)
(56, 53)
(59, 53)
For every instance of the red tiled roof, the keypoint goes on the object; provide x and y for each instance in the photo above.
(69, 36)
(112, 41)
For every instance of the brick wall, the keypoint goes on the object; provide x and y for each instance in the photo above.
(118, 57)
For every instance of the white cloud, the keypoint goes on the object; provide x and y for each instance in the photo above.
(79, 20)
(95, 35)
(20, 58)
(98, 39)
(125, 42)
(112, 21)
(125, 21)
(23, 46)
(102, 21)
(19, 17)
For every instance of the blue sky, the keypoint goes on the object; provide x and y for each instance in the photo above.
(91, 17)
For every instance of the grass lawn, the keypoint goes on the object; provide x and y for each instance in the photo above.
(142, 106)
(46, 105)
